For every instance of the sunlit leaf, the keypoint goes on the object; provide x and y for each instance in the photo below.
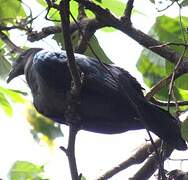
(42, 2)
(5, 105)
(13, 10)
(24, 170)
(53, 14)
(43, 129)
(12, 95)
(115, 6)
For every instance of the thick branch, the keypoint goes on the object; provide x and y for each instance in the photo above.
(151, 165)
(109, 19)
(137, 158)
(92, 24)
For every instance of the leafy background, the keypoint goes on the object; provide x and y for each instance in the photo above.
(152, 67)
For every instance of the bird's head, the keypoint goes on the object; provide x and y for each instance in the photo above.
(19, 65)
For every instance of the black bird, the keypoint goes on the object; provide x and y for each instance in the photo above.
(105, 107)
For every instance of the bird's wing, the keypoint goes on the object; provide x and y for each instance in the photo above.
(52, 67)
(110, 77)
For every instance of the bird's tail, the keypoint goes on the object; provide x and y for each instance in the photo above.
(163, 124)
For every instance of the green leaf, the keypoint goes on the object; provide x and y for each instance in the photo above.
(24, 170)
(115, 6)
(10, 10)
(53, 14)
(42, 2)
(4, 67)
(184, 130)
(83, 178)
(5, 105)
(93, 42)
(152, 66)
(184, 3)
(12, 95)
(43, 128)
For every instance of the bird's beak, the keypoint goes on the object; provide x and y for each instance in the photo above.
(12, 75)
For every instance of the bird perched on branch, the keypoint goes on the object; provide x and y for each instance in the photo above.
(107, 97)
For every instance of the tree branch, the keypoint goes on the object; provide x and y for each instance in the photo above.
(143, 39)
(64, 13)
(137, 158)
(151, 165)
(9, 43)
(71, 112)
(163, 103)
(70, 151)
(128, 11)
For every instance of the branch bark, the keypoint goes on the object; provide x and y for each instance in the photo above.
(71, 112)
(151, 165)
(137, 158)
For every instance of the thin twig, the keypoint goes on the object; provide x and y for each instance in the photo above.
(173, 75)
(81, 12)
(70, 151)
(158, 87)
(64, 13)
(128, 11)
(169, 44)
(171, 104)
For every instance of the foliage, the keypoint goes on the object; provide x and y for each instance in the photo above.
(43, 129)
(153, 67)
(184, 129)
(23, 170)
(14, 10)
(117, 7)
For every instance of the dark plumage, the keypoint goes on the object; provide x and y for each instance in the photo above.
(104, 107)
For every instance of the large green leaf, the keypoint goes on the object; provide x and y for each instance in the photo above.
(10, 10)
(93, 42)
(43, 128)
(152, 66)
(24, 170)
(115, 6)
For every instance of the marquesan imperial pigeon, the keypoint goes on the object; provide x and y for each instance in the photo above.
(104, 106)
